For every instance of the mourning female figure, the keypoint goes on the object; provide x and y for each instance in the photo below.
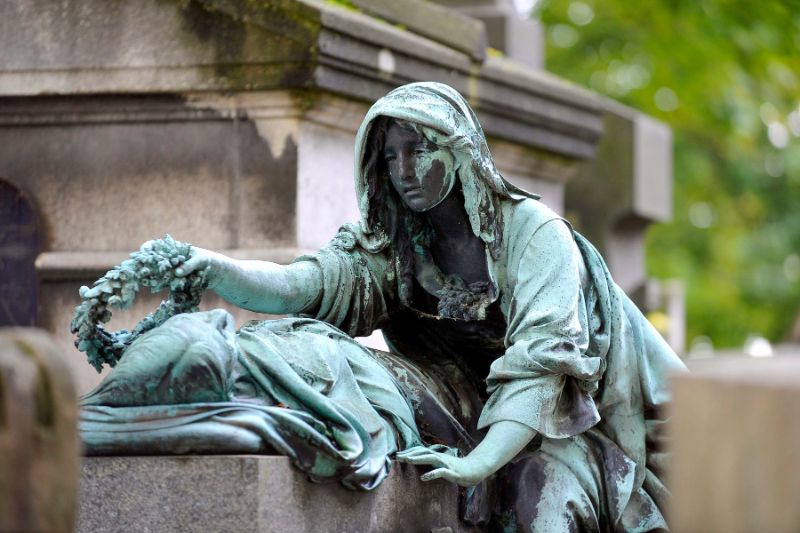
(509, 341)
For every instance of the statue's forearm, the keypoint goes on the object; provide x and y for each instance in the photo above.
(266, 287)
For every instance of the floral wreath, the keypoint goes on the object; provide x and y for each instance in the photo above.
(152, 266)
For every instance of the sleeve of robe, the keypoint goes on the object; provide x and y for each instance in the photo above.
(357, 285)
(544, 377)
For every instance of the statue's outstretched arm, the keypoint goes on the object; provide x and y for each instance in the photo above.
(258, 286)
(504, 440)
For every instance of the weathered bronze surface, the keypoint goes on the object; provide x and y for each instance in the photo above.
(470, 279)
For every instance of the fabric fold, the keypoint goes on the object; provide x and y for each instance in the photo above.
(295, 386)
(541, 379)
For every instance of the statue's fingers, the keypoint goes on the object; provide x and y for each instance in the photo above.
(430, 459)
(439, 473)
(197, 262)
(415, 453)
(410, 459)
(411, 451)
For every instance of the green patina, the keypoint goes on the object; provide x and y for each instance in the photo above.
(152, 266)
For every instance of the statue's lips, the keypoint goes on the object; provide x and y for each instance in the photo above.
(412, 190)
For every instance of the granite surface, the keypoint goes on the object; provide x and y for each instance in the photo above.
(252, 493)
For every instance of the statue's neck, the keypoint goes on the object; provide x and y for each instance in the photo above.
(454, 247)
(449, 220)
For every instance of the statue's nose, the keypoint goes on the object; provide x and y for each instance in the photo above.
(407, 167)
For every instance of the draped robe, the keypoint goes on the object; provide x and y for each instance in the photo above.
(580, 365)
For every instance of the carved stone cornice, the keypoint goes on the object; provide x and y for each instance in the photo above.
(307, 47)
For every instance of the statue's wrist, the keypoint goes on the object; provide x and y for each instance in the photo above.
(215, 272)
(479, 466)
(214, 267)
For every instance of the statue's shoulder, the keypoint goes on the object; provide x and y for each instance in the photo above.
(351, 237)
(522, 217)
(348, 237)
(361, 249)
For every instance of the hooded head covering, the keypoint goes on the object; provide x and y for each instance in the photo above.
(445, 118)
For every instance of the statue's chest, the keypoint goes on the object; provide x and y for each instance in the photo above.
(467, 261)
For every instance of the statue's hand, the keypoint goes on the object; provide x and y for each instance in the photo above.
(197, 261)
(201, 259)
(459, 470)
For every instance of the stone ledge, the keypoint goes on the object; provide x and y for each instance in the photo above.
(245, 493)
(463, 33)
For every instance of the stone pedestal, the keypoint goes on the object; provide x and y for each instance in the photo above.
(736, 437)
(253, 494)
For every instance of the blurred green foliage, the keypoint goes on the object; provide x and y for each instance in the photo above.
(725, 75)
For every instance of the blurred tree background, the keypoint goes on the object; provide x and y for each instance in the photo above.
(725, 75)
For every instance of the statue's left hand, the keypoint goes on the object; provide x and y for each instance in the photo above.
(459, 470)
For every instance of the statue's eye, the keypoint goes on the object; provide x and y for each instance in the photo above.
(426, 147)
(389, 157)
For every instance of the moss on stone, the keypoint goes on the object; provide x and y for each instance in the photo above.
(347, 4)
(304, 99)
(256, 44)
(494, 52)
(44, 408)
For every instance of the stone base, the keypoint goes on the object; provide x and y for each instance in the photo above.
(735, 440)
(246, 493)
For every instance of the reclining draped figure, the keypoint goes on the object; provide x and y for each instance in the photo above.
(517, 366)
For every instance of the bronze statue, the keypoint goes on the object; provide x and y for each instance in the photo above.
(515, 359)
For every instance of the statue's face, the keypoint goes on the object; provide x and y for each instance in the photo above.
(421, 172)
(214, 331)
(187, 359)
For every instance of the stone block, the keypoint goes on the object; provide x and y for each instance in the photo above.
(253, 494)
(439, 24)
(38, 436)
(735, 437)
(518, 37)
